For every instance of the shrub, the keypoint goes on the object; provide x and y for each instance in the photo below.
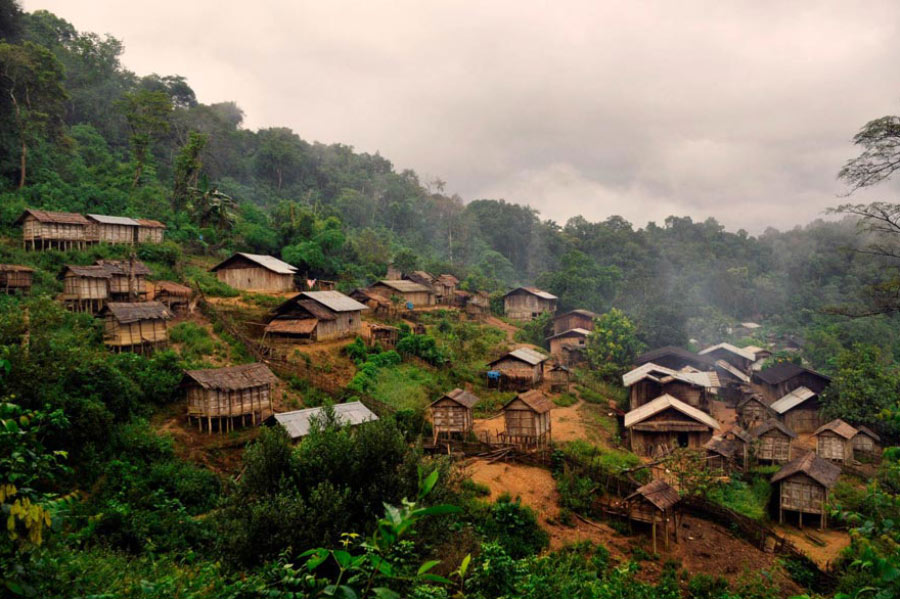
(514, 527)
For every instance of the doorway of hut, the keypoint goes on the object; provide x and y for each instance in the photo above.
(682, 440)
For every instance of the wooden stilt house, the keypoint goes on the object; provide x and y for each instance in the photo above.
(174, 296)
(527, 303)
(42, 230)
(150, 231)
(113, 229)
(452, 414)
(655, 504)
(225, 397)
(772, 441)
(866, 443)
(799, 410)
(753, 411)
(574, 319)
(256, 272)
(411, 294)
(519, 369)
(127, 279)
(85, 288)
(649, 381)
(383, 335)
(736, 356)
(138, 326)
(559, 375)
(803, 485)
(15, 278)
(527, 418)
(834, 441)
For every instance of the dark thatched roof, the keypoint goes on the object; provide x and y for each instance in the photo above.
(123, 267)
(173, 288)
(460, 396)
(785, 371)
(150, 223)
(126, 312)
(769, 425)
(62, 218)
(14, 268)
(678, 352)
(94, 271)
(822, 471)
(658, 493)
(579, 312)
(535, 400)
(233, 378)
(284, 326)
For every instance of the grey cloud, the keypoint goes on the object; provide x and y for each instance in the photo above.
(738, 110)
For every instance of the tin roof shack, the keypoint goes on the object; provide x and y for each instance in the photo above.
(299, 423)
(522, 368)
(526, 303)
(737, 357)
(410, 293)
(135, 326)
(667, 423)
(772, 441)
(127, 279)
(866, 444)
(113, 229)
(799, 410)
(150, 231)
(15, 278)
(85, 288)
(834, 441)
(559, 375)
(452, 414)
(445, 286)
(527, 418)
(649, 381)
(256, 272)
(569, 346)
(42, 230)
(574, 319)
(175, 297)
(315, 316)
(777, 381)
(228, 396)
(675, 358)
(654, 503)
(803, 486)
(753, 411)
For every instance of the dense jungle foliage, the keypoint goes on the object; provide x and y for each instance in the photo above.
(98, 504)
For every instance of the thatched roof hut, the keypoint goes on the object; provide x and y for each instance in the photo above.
(127, 278)
(772, 441)
(226, 396)
(150, 231)
(43, 229)
(654, 503)
(452, 413)
(834, 441)
(527, 418)
(803, 486)
(866, 442)
(667, 423)
(14, 277)
(175, 296)
(135, 326)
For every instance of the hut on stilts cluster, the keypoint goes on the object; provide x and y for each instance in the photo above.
(135, 326)
(42, 230)
(227, 396)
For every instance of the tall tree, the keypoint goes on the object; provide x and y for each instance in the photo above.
(147, 113)
(32, 80)
(187, 170)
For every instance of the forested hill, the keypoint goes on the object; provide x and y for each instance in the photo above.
(78, 132)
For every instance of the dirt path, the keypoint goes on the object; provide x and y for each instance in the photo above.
(509, 329)
(835, 542)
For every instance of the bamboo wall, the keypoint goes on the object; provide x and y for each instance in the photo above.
(108, 233)
(831, 446)
(525, 306)
(572, 321)
(864, 444)
(222, 407)
(41, 235)
(557, 345)
(449, 417)
(752, 413)
(119, 285)
(800, 493)
(85, 288)
(150, 235)
(15, 279)
(133, 334)
(774, 446)
(512, 365)
(804, 418)
(345, 324)
(255, 278)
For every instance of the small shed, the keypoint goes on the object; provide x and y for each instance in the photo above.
(559, 375)
(834, 441)
(736, 356)
(15, 278)
(113, 229)
(520, 368)
(562, 344)
(445, 286)
(667, 423)
(135, 326)
(150, 231)
(574, 319)
(299, 423)
(478, 304)
(725, 455)
(777, 381)
(42, 229)
(799, 410)
(654, 503)
(378, 304)
(649, 381)
(172, 295)
(866, 442)
(772, 441)
(675, 358)
(315, 316)
(383, 335)
(527, 303)
(453, 414)
(256, 272)
(85, 288)
(527, 419)
(752, 411)
(127, 279)
(411, 293)
(803, 486)
(228, 396)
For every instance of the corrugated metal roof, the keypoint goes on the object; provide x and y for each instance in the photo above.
(126, 312)
(299, 423)
(404, 286)
(576, 332)
(113, 220)
(268, 262)
(792, 400)
(664, 402)
(729, 348)
(534, 291)
(658, 373)
(821, 471)
(838, 427)
(732, 370)
(335, 301)
(63, 218)
(233, 378)
(525, 354)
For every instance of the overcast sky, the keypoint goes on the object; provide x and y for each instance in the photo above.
(739, 110)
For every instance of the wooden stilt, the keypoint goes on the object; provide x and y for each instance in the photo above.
(654, 534)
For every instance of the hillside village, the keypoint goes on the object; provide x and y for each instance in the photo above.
(724, 413)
